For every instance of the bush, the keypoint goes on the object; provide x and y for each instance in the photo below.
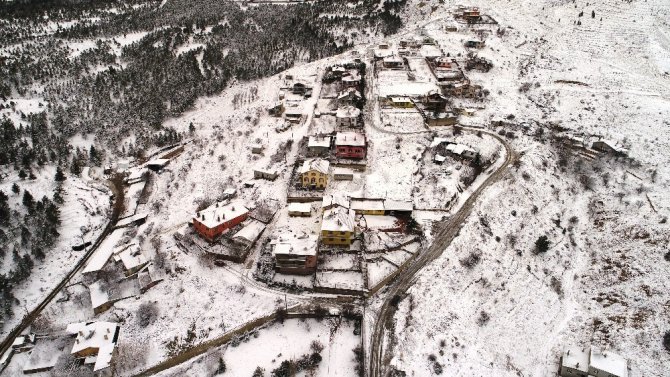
(541, 245)
(484, 317)
(147, 314)
(437, 368)
(471, 260)
(316, 346)
(259, 372)
(281, 314)
(666, 340)
(222, 366)
(320, 312)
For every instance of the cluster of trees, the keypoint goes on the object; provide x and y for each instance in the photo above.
(29, 234)
(152, 79)
(32, 146)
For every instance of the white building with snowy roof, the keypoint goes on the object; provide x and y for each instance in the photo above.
(95, 342)
(347, 116)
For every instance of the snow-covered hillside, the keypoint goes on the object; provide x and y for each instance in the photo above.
(602, 282)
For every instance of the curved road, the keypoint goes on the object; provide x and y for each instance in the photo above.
(446, 234)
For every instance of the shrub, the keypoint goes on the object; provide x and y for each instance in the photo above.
(437, 368)
(281, 314)
(471, 260)
(222, 366)
(483, 318)
(147, 314)
(541, 245)
(316, 346)
(666, 340)
(259, 372)
(320, 312)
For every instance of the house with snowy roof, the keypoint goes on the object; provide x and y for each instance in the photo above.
(349, 96)
(318, 145)
(351, 79)
(350, 145)
(131, 257)
(347, 116)
(296, 254)
(314, 173)
(211, 222)
(95, 342)
(338, 225)
(609, 146)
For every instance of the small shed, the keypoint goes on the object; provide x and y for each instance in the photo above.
(475, 44)
(158, 164)
(257, 148)
(300, 209)
(270, 175)
(343, 174)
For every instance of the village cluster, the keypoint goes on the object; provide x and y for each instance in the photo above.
(327, 235)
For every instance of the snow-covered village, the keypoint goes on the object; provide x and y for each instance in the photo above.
(389, 188)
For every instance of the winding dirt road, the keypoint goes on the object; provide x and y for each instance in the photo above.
(445, 235)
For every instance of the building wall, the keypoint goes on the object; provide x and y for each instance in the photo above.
(314, 179)
(569, 372)
(441, 121)
(335, 238)
(369, 211)
(346, 122)
(350, 152)
(402, 105)
(87, 352)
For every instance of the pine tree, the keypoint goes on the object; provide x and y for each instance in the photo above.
(94, 156)
(22, 174)
(4, 209)
(15, 188)
(32, 176)
(60, 176)
(75, 168)
(28, 199)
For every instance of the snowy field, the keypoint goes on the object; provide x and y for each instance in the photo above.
(601, 283)
(268, 347)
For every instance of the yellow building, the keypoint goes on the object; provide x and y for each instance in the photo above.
(314, 174)
(338, 226)
(401, 102)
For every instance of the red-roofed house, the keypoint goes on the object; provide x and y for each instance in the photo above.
(350, 145)
(211, 222)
